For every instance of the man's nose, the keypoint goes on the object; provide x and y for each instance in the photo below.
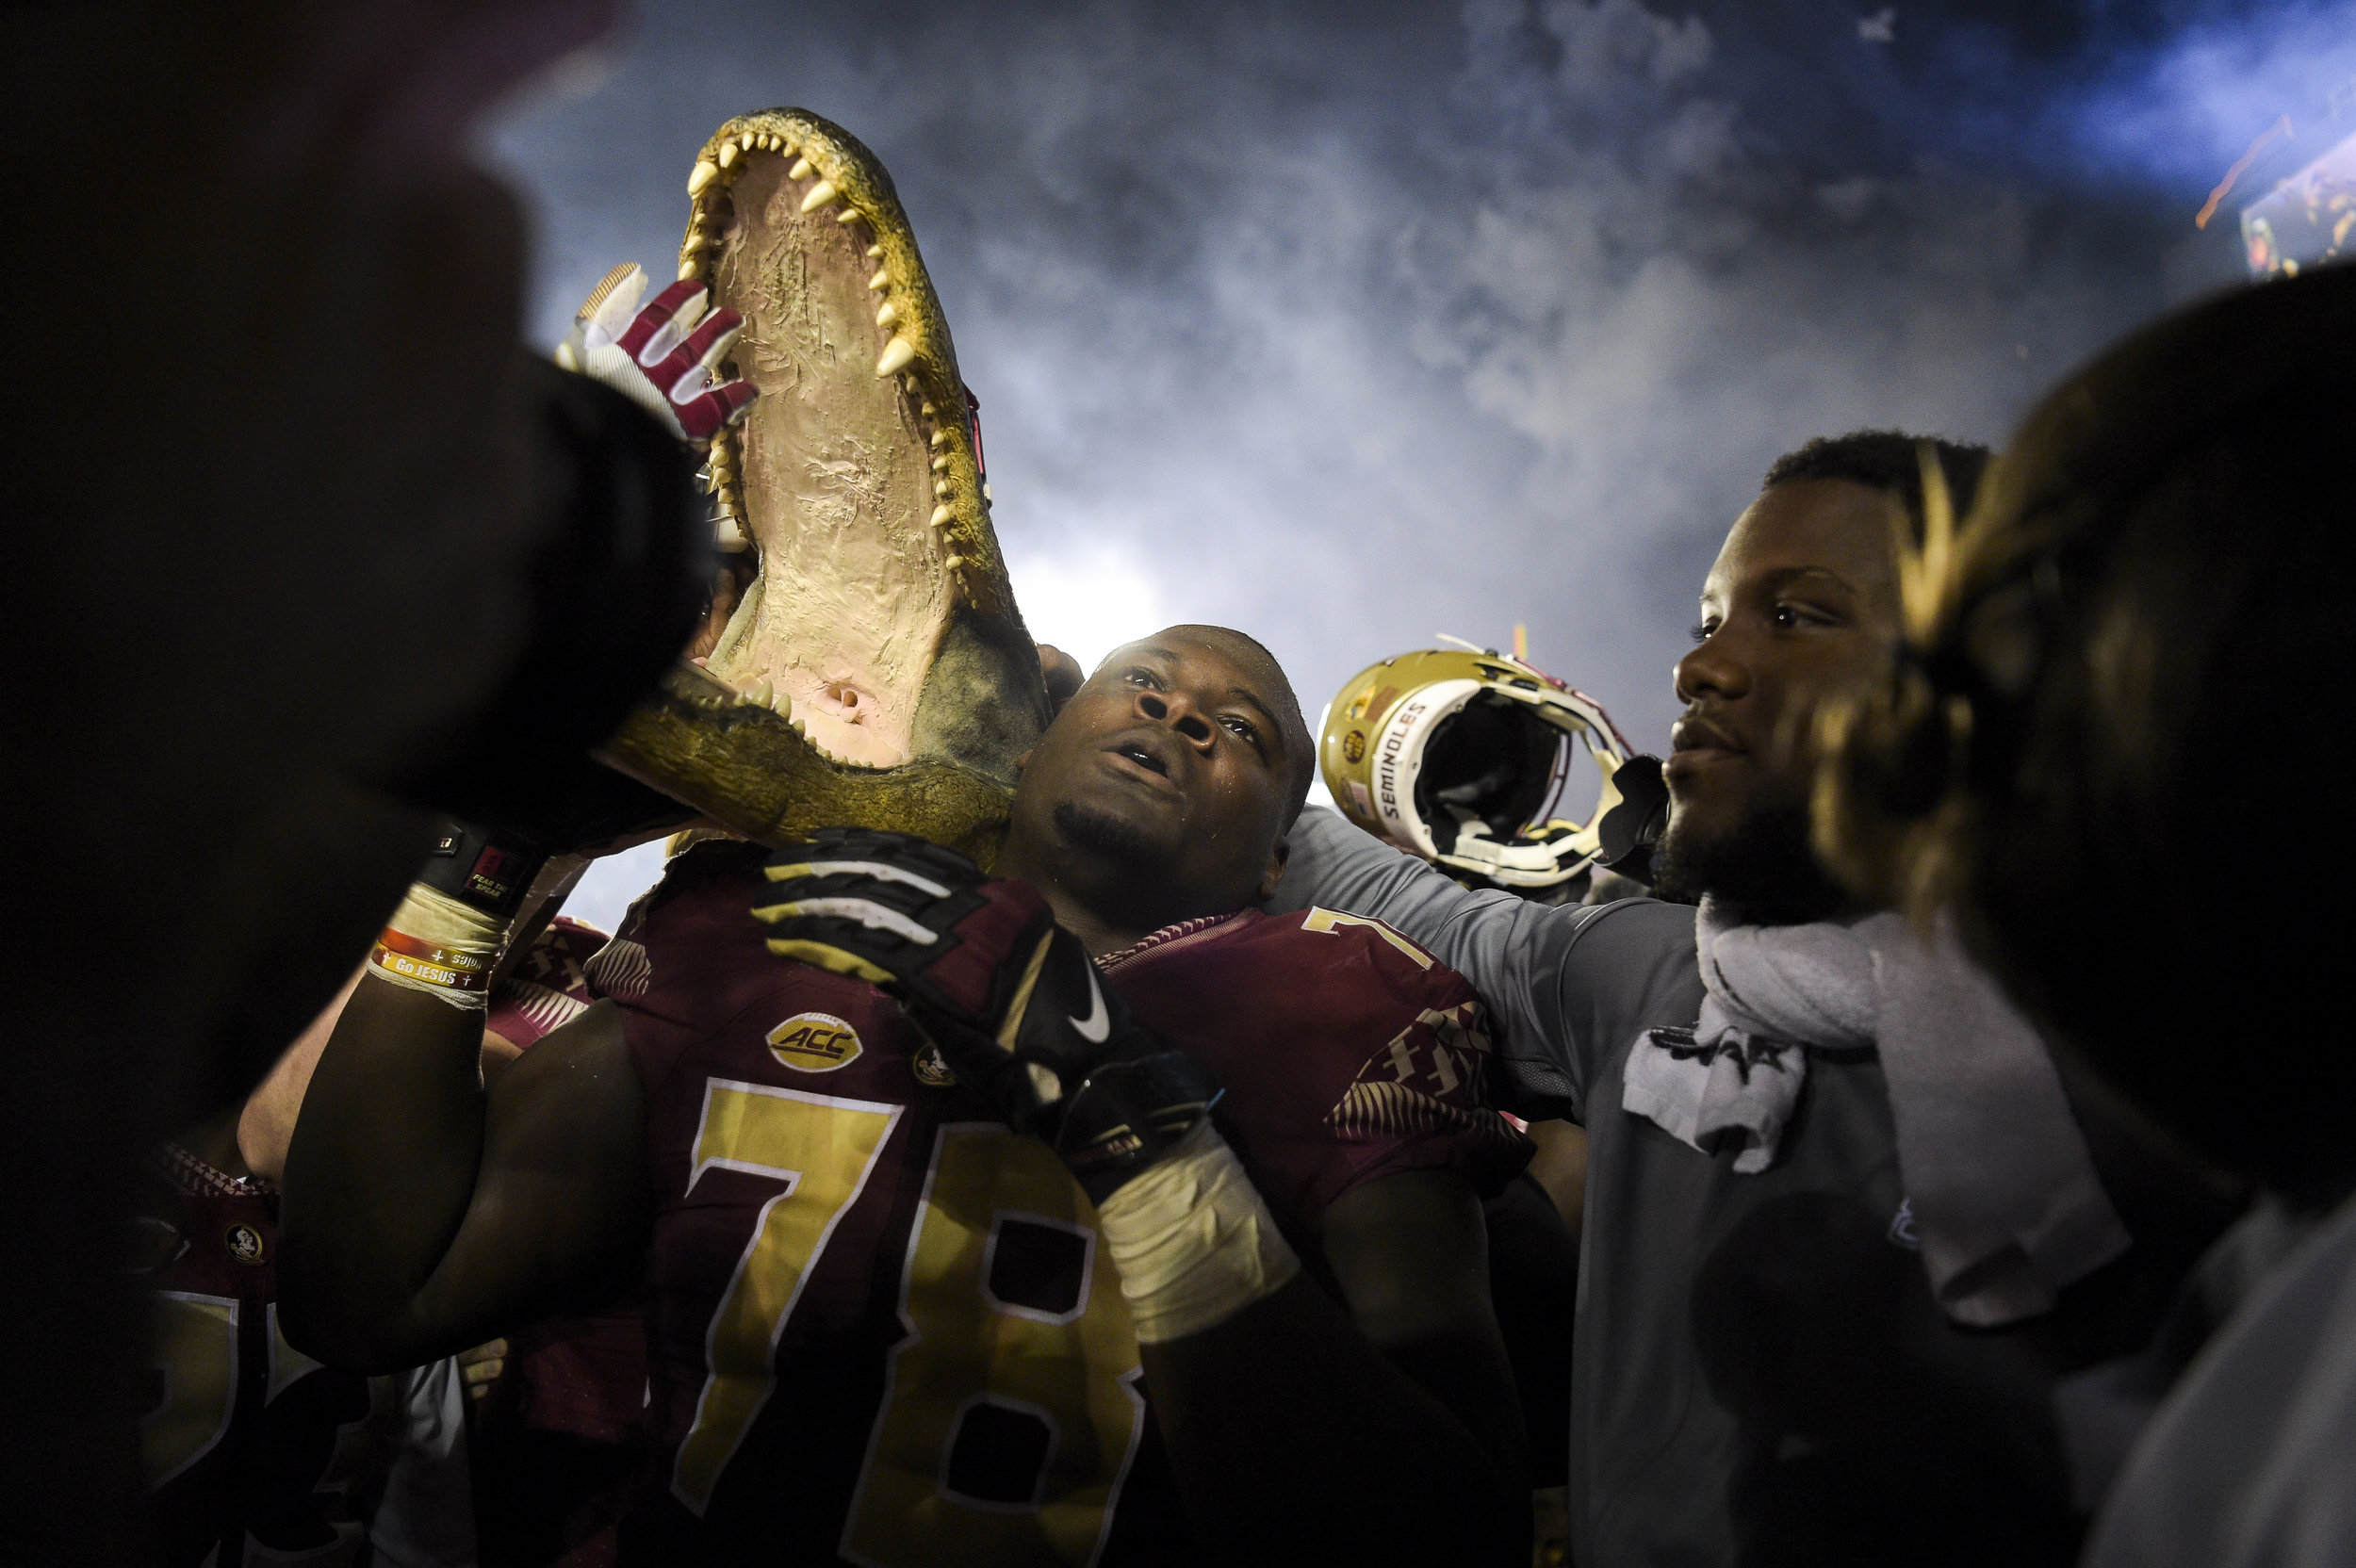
(1175, 709)
(1711, 669)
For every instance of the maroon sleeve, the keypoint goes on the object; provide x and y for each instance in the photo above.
(1346, 1055)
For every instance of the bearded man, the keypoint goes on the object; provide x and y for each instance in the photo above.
(1844, 1235)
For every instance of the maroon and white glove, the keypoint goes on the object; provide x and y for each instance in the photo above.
(661, 355)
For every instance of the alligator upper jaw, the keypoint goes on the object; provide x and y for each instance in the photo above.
(876, 672)
(856, 474)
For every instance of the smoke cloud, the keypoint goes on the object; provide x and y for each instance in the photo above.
(1347, 326)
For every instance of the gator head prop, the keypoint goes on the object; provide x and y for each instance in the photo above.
(876, 672)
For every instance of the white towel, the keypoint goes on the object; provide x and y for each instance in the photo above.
(2001, 1189)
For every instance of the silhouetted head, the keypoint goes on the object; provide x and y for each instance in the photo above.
(2116, 691)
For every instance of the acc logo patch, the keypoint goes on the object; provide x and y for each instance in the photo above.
(244, 1243)
(1353, 745)
(814, 1042)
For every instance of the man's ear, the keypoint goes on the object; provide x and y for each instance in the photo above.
(1062, 675)
(1277, 859)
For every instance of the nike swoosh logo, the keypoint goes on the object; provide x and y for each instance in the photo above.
(1098, 1024)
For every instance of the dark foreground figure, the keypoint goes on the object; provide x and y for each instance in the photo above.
(270, 571)
(2127, 668)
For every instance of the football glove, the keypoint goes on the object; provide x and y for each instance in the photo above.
(663, 356)
(1011, 1000)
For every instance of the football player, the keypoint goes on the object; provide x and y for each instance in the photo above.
(1805, 1331)
(890, 1325)
(254, 1451)
(552, 1437)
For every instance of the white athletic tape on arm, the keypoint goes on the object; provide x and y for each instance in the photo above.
(1193, 1240)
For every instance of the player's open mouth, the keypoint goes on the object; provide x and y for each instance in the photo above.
(1143, 758)
(879, 624)
(1146, 757)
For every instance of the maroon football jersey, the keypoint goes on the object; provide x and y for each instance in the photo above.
(883, 1330)
(254, 1452)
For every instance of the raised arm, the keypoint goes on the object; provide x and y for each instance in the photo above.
(266, 1125)
(420, 1213)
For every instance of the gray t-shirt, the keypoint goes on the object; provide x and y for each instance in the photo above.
(1760, 1373)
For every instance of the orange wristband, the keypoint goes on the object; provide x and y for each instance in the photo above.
(431, 964)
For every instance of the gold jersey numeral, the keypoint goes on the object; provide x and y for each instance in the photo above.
(196, 1350)
(1330, 919)
(822, 1150)
(1074, 1369)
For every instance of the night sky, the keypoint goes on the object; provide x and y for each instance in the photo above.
(1348, 325)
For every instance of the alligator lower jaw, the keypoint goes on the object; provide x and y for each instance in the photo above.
(754, 771)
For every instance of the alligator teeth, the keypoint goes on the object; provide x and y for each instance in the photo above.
(782, 705)
(927, 410)
(700, 181)
(943, 517)
(875, 253)
(760, 692)
(885, 317)
(940, 489)
(941, 438)
(941, 464)
(897, 352)
(820, 194)
(771, 142)
(689, 269)
(800, 170)
(954, 564)
(880, 281)
(847, 216)
(730, 151)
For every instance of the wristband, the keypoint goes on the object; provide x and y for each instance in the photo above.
(440, 946)
(1193, 1240)
(446, 937)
